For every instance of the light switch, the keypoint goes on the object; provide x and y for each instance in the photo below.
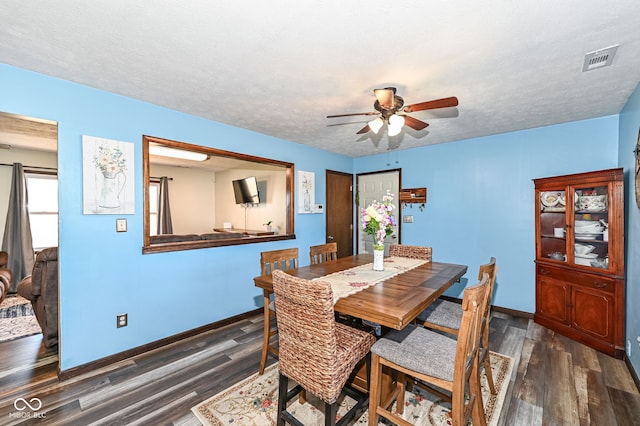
(407, 219)
(121, 225)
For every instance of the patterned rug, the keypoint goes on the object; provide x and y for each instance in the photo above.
(254, 402)
(17, 319)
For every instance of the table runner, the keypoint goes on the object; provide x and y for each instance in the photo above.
(350, 281)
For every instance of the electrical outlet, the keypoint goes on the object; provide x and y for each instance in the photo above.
(628, 348)
(122, 320)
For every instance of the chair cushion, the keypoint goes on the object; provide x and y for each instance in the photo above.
(420, 350)
(444, 313)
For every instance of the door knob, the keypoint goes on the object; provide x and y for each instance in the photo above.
(330, 237)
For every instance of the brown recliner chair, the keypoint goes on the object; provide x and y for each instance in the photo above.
(5, 275)
(5, 282)
(41, 288)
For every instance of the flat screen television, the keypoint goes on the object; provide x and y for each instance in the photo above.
(246, 191)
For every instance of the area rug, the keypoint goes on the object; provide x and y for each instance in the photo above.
(254, 402)
(17, 319)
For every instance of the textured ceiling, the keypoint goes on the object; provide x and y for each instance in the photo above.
(280, 67)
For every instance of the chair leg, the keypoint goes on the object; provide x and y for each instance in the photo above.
(477, 410)
(282, 398)
(374, 389)
(486, 359)
(267, 334)
(330, 412)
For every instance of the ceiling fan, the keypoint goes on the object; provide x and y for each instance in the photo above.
(388, 105)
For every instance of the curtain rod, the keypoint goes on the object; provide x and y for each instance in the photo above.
(31, 167)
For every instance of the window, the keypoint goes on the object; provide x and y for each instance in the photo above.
(42, 190)
(154, 190)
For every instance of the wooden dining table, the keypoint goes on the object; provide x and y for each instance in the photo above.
(394, 302)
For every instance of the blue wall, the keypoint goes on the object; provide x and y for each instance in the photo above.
(103, 273)
(480, 204)
(629, 123)
(480, 200)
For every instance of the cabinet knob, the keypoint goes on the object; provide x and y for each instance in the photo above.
(597, 284)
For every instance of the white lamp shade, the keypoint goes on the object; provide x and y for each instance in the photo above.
(376, 125)
(395, 124)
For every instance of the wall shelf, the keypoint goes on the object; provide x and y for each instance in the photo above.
(410, 196)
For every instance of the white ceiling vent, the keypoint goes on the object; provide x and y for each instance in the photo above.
(599, 58)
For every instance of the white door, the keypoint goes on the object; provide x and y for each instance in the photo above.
(372, 187)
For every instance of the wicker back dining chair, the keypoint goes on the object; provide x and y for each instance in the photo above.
(435, 360)
(413, 252)
(270, 261)
(323, 253)
(446, 316)
(317, 352)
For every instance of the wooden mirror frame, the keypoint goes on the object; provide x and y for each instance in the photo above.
(288, 232)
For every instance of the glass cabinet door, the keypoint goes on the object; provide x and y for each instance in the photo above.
(591, 226)
(553, 220)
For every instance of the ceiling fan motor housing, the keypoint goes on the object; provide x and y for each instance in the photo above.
(398, 103)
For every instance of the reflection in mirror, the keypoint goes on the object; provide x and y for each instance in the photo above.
(212, 197)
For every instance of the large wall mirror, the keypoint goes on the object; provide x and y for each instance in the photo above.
(215, 197)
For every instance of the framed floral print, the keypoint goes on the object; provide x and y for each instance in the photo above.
(306, 192)
(107, 176)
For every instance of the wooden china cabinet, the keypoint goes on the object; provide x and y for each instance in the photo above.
(579, 223)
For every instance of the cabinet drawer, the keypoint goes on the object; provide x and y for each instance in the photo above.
(596, 282)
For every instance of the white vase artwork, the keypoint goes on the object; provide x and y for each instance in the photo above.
(112, 186)
(378, 260)
(107, 176)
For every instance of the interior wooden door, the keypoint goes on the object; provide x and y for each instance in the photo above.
(339, 211)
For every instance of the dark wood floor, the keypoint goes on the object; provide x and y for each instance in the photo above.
(555, 382)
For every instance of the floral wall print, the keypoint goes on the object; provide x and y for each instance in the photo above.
(107, 176)
(306, 191)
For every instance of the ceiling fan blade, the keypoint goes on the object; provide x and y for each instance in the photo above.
(385, 96)
(353, 114)
(414, 123)
(364, 130)
(438, 103)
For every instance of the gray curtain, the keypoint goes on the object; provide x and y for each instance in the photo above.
(164, 210)
(17, 231)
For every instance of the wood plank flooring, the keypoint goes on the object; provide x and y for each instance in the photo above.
(555, 381)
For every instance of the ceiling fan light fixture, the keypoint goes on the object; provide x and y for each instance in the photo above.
(376, 125)
(396, 122)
